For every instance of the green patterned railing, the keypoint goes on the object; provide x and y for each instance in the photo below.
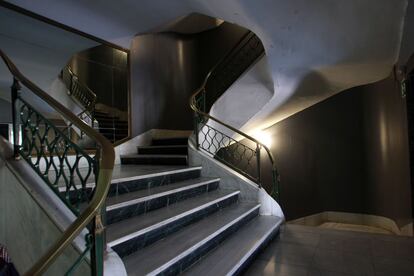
(55, 157)
(81, 181)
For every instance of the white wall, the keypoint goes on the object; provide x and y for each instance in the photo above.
(39, 51)
(30, 220)
(244, 98)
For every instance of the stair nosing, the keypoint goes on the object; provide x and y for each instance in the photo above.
(137, 177)
(155, 156)
(171, 219)
(149, 197)
(162, 146)
(253, 249)
(202, 242)
(170, 138)
(118, 180)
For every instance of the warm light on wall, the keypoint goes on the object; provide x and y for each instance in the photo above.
(263, 137)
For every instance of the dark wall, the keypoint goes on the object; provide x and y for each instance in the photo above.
(167, 68)
(388, 188)
(5, 114)
(214, 44)
(163, 75)
(105, 71)
(348, 153)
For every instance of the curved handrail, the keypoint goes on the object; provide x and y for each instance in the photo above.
(106, 166)
(194, 107)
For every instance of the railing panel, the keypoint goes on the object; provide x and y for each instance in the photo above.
(56, 159)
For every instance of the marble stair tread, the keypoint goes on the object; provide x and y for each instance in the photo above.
(231, 255)
(131, 172)
(159, 256)
(146, 194)
(163, 150)
(145, 171)
(126, 229)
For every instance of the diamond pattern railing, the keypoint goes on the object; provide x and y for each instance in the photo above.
(55, 157)
(80, 179)
(233, 153)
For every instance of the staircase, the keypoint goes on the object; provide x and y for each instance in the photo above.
(110, 126)
(164, 217)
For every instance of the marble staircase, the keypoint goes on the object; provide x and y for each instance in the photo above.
(165, 218)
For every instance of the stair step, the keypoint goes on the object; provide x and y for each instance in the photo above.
(235, 254)
(113, 130)
(170, 141)
(107, 122)
(172, 149)
(150, 159)
(111, 134)
(127, 236)
(180, 250)
(134, 183)
(132, 204)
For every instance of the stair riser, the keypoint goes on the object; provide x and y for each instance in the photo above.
(155, 161)
(253, 256)
(198, 253)
(163, 150)
(151, 182)
(170, 142)
(136, 243)
(156, 203)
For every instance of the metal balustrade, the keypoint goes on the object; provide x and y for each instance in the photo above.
(56, 159)
(243, 155)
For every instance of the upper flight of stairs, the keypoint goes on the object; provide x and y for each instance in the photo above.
(112, 127)
(169, 219)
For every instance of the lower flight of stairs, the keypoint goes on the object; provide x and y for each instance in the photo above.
(177, 221)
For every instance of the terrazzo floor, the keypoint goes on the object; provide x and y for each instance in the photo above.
(305, 250)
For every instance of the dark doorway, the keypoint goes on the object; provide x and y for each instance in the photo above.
(4, 131)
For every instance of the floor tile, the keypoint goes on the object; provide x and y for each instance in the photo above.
(386, 267)
(289, 253)
(328, 259)
(269, 268)
(300, 237)
(335, 253)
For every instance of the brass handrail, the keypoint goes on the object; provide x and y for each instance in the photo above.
(90, 107)
(194, 107)
(106, 166)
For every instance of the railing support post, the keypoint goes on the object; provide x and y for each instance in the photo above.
(98, 247)
(196, 129)
(204, 100)
(259, 175)
(15, 88)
